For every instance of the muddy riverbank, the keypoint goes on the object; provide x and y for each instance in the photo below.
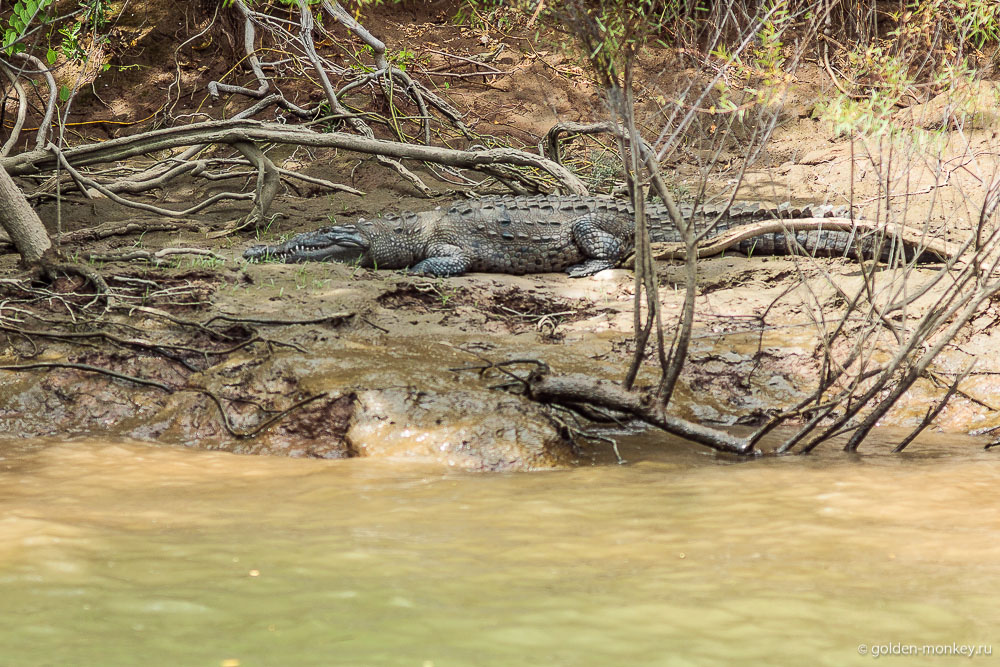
(386, 364)
(330, 361)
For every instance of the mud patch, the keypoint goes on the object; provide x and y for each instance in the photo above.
(318, 430)
(739, 388)
(523, 310)
(742, 278)
(425, 297)
(517, 309)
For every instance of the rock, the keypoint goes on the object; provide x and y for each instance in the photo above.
(467, 429)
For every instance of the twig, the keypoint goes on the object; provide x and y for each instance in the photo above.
(90, 369)
(933, 412)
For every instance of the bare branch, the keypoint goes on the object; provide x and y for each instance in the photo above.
(249, 37)
(50, 105)
(22, 108)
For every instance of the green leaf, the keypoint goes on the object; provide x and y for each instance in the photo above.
(64, 93)
(52, 56)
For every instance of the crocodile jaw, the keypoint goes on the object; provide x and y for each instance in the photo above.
(333, 244)
(296, 254)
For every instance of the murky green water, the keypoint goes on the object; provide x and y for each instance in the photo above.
(127, 554)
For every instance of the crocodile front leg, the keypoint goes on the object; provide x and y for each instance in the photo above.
(600, 240)
(444, 260)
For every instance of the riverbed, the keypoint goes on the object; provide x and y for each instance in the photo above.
(122, 553)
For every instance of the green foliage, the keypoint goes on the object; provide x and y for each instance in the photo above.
(981, 21)
(403, 58)
(24, 15)
(761, 69)
(67, 33)
(927, 51)
(70, 45)
(767, 54)
(958, 21)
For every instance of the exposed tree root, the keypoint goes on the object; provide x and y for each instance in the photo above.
(190, 346)
(154, 257)
(232, 132)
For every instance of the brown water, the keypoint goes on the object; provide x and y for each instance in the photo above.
(128, 554)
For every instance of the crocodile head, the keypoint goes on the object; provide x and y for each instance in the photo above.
(336, 244)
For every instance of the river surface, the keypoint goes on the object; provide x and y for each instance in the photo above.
(119, 553)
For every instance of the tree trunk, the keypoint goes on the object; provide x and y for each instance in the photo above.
(21, 222)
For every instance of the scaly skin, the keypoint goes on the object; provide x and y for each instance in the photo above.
(518, 235)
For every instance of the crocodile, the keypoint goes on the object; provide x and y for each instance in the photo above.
(539, 234)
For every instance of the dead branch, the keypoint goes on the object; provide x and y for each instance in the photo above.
(305, 14)
(154, 257)
(84, 183)
(912, 238)
(151, 182)
(249, 39)
(550, 143)
(229, 132)
(128, 343)
(339, 187)
(574, 388)
(153, 176)
(418, 92)
(118, 229)
(933, 411)
(332, 318)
